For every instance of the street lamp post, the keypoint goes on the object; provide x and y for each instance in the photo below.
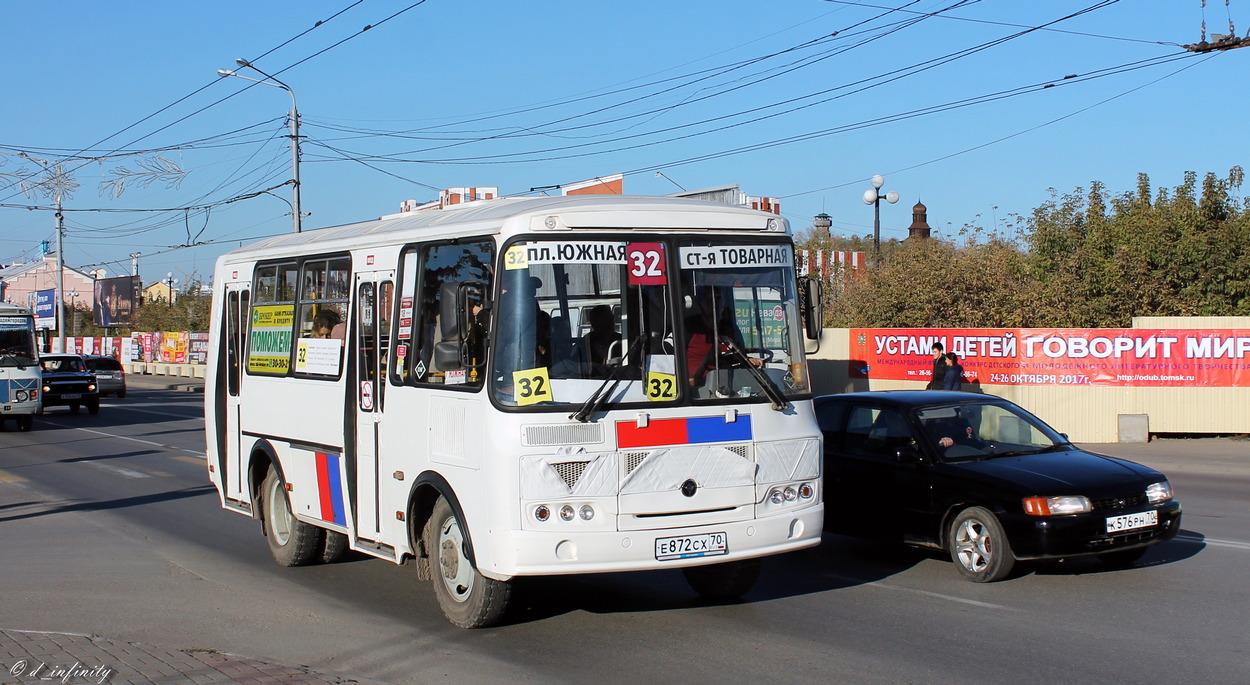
(874, 198)
(169, 278)
(296, 214)
(73, 308)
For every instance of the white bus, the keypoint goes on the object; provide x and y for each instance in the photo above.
(521, 387)
(20, 376)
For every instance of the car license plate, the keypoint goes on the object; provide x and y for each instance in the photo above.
(1144, 519)
(71, 395)
(691, 546)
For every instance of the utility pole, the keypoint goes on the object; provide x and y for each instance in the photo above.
(60, 273)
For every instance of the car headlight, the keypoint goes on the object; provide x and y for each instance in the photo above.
(1159, 492)
(1055, 506)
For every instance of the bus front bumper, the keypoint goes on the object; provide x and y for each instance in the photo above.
(532, 553)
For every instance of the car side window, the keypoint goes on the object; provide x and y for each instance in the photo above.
(876, 432)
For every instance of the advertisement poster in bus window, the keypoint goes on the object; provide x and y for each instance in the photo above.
(269, 348)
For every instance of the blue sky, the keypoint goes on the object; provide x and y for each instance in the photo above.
(815, 97)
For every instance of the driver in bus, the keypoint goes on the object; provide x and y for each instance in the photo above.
(709, 330)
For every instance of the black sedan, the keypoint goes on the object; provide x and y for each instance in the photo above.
(984, 480)
(68, 382)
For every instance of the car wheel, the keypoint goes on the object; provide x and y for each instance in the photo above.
(25, 423)
(121, 393)
(292, 542)
(721, 582)
(468, 599)
(93, 407)
(1123, 558)
(979, 547)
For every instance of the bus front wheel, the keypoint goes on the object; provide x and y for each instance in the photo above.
(468, 599)
(291, 541)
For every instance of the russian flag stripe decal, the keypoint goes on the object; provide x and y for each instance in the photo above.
(662, 432)
(330, 488)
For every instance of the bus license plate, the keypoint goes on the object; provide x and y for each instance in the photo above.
(691, 546)
(1145, 519)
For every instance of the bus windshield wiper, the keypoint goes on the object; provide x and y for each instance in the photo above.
(766, 383)
(599, 396)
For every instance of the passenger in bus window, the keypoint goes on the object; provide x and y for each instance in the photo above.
(328, 324)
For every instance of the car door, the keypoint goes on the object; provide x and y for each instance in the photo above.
(862, 472)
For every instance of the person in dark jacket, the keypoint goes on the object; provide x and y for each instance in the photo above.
(939, 368)
(954, 377)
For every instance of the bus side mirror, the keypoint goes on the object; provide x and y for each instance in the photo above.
(462, 343)
(812, 306)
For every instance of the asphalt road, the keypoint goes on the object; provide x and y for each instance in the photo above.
(108, 526)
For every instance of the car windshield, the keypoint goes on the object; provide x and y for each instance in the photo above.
(61, 364)
(605, 322)
(976, 430)
(17, 341)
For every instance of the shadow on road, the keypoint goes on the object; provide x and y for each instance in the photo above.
(1187, 544)
(121, 503)
(837, 563)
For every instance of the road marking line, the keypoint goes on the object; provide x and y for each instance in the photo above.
(1232, 544)
(125, 437)
(926, 593)
(6, 477)
(198, 461)
(120, 470)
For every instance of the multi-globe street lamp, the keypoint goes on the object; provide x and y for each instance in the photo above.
(874, 198)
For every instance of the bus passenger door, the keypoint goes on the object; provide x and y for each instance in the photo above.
(232, 468)
(374, 297)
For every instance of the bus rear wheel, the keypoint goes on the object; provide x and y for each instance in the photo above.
(468, 599)
(291, 541)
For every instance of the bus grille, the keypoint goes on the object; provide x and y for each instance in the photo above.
(580, 434)
(633, 459)
(570, 471)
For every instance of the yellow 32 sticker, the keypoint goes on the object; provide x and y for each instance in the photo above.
(532, 386)
(661, 387)
(516, 258)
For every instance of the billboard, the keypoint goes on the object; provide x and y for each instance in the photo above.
(44, 308)
(115, 300)
(1125, 357)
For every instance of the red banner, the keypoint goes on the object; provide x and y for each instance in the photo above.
(1130, 357)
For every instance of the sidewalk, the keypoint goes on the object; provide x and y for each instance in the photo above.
(1229, 456)
(33, 657)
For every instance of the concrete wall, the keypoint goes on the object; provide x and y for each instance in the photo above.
(1085, 413)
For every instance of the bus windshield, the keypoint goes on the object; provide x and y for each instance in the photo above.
(17, 341)
(645, 321)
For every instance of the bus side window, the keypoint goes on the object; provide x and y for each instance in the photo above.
(463, 262)
(367, 338)
(386, 305)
